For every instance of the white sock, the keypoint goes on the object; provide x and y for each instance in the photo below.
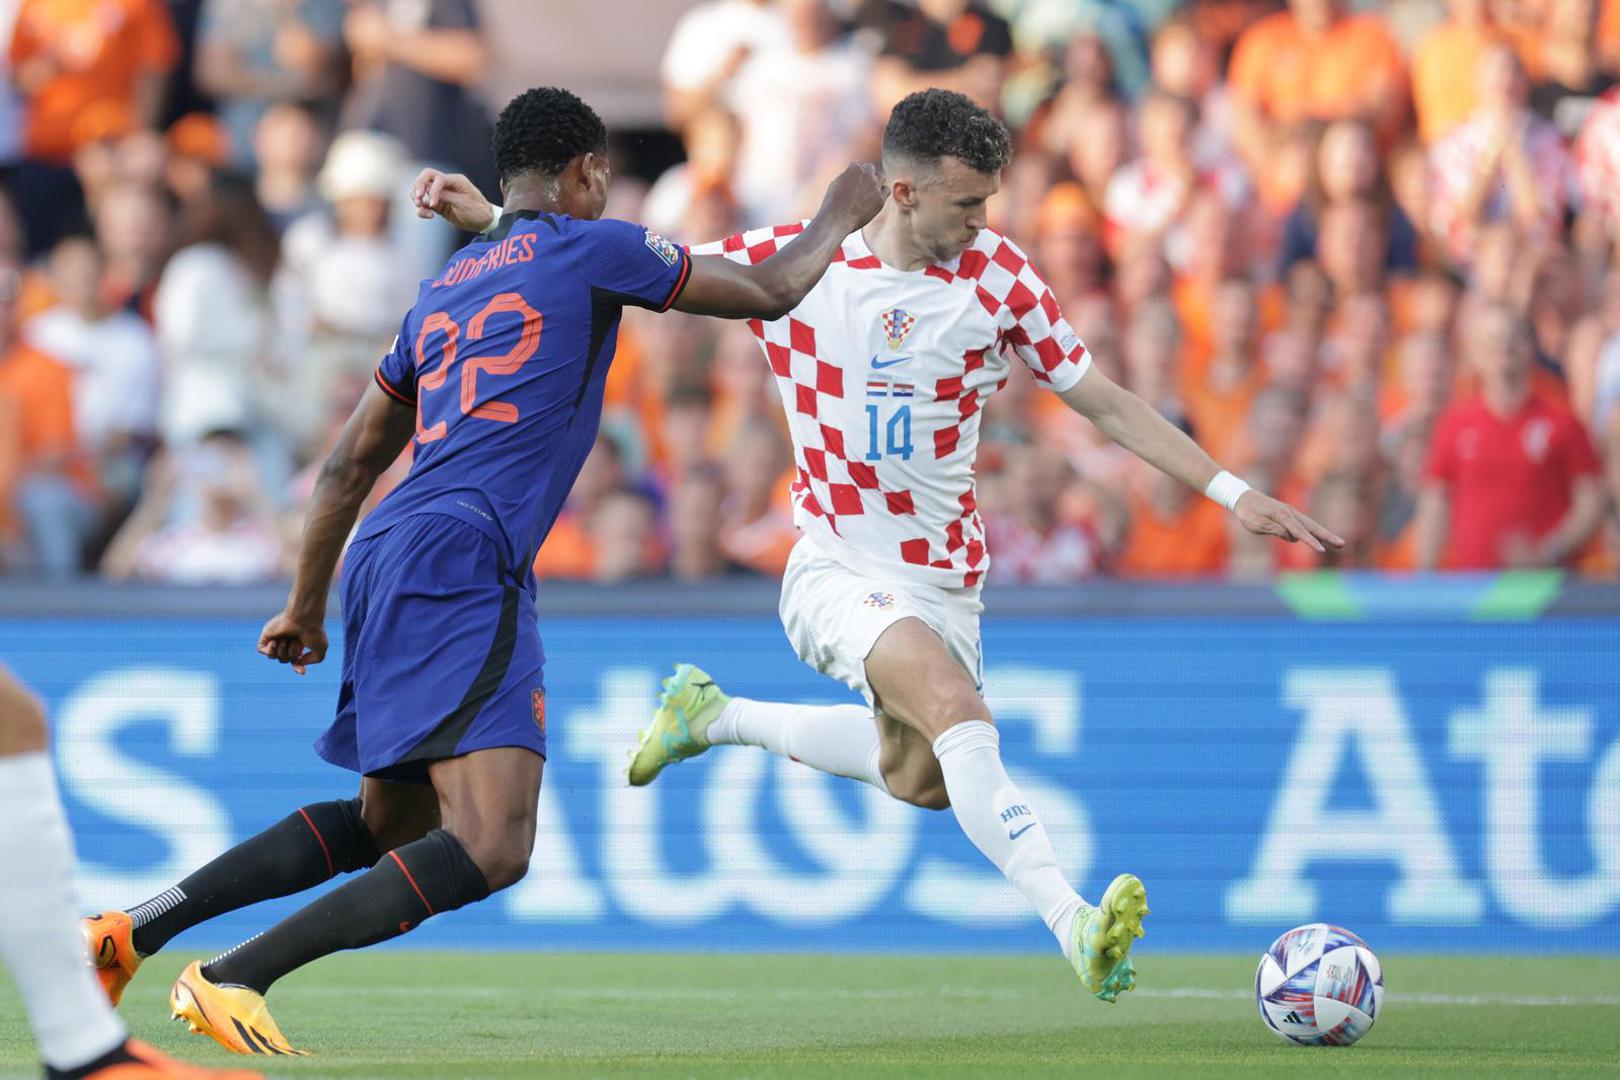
(838, 739)
(40, 943)
(995, 816)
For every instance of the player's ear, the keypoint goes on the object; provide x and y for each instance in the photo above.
(903, 191)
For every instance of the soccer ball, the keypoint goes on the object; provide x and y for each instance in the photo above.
(1319, 985)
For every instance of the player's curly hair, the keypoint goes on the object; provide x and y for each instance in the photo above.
(933, 124)
(542, 130)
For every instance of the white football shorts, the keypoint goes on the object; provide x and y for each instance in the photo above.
(834, 615)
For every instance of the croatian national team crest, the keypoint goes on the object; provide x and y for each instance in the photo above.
(879, 600)
(897, 323)
(662, 248)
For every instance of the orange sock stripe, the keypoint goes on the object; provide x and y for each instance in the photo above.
(406, 871)
(331, 871)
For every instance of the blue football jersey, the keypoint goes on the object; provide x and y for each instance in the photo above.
(504, 357)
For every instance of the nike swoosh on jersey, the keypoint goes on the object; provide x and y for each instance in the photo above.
(878, 365)
(1020, 832)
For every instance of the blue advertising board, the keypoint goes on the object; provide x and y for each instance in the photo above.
(1435, 786)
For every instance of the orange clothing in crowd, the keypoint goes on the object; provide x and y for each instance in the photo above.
(763, 544)
(1218, 416)
(1291, 75)
(568, 552)
(99, 49)
(1194, 302)
(36, 401)
(1443, 75)
(1191, 544)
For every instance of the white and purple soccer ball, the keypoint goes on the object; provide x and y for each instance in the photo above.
(1319, 985)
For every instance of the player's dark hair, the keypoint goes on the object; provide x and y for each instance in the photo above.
(934, 124)
(542, 130)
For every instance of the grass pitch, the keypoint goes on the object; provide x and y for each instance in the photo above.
(474, 1016)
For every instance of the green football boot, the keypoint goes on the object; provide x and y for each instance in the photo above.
(689, 704)
(1103, 936)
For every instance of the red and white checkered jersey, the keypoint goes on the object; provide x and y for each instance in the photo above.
(883, 373)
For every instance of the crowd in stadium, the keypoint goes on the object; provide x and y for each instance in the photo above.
(1362, 255)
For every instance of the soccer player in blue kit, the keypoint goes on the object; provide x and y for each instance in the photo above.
(497, 376)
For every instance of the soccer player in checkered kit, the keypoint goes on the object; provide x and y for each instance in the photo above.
(884, 369)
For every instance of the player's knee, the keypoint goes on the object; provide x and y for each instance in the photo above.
(953, 702)
(22, 720)
(504, 864)
(918, 789)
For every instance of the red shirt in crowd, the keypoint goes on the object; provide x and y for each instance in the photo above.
(1511, 479)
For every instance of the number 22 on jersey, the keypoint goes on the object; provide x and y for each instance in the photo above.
(440, 323)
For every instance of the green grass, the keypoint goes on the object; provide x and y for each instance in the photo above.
(474, 1016)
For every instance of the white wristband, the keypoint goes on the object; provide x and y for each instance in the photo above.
(494, 221)
(1226, 489)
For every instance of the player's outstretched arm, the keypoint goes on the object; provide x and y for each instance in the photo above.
(772, 288)
(1138, 427)
(374, 437)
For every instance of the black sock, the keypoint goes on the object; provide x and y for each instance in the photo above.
(118, 1055)
(302, 850)
(424, 878)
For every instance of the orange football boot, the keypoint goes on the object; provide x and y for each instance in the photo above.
(233, 1016)
(109, 937)
(151, 1065)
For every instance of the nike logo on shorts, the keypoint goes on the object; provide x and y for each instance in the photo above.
(1020, 832)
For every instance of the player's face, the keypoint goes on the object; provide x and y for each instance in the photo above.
(948, 207)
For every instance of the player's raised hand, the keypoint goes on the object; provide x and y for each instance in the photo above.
(855, 196)
(1265, 516)
(287, 639)
(453, 197)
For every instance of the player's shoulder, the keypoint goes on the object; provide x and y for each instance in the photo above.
(1001, 270)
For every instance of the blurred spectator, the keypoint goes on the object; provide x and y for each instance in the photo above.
(114, 360)
(624, 533)
(1513, 479)
(1571, 76)
(212, 314)
(696, 528)
(1086, 86)
(416, 63)
(46, 490)
(953, 44)
(1314, 61)
(287, 144)
(1068, 246)
(1152, 345)
(197, 149)
(567, 552)
(1347, 167)
(202, 520)
(801, 103)
(1150, 195)
(1597, 153)
(709, 45)
(255, 54)
(1029, 541)
(67, 58)
(1445, 66)
(343, 283)
(1217, 403)
(1174, 531)
(759, 531)
(712, 138)
(132, 231)
(1504, 163)
(1094, 146)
